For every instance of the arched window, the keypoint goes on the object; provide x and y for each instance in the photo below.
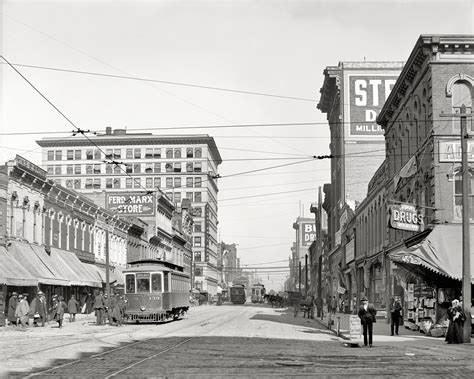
(458, 195)
(461, 95)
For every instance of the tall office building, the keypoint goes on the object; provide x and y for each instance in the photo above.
(129, 173)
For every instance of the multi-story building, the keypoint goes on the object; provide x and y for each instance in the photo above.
(129, 173)
(352, 95)
(230, 264)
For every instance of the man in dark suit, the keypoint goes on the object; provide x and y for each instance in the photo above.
(395, 313)
(367, 314)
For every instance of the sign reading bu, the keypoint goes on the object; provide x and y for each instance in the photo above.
(131, 204)
(406, 217)
(309, 233)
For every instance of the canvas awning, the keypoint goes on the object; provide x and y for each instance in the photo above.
(40, 265)
(77, 273)
(113, 276)
(439, 251)
(12, 273)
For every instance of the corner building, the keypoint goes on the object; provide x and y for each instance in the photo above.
(120, 163)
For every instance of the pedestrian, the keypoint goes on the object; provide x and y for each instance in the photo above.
(395, 313)
(59, 307)
(456, 319)
(115, 311)
(99, 308)
(41, 309)
(106, 315)
(73, 308)
(367, 314)
(333, 305)
(12, 304)
(89, 303)
(23, 311)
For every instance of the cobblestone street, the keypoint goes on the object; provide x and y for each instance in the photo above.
(247, 340)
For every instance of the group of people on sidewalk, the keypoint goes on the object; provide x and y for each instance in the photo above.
(20, 311)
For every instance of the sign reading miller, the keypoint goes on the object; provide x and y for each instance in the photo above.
(406, 217)
(131, 204)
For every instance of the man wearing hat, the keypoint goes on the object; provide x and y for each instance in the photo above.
(367, 314)
(12, 303)
(41, 309)
(23, 311)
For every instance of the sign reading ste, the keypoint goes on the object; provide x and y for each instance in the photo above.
(131, 204)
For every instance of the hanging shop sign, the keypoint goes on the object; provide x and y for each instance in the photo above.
(406, 217)
(131, 204)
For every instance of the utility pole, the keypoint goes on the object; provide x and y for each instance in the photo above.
(299, 276)
(306, 276)
(466, 252)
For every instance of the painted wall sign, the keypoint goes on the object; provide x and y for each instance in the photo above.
(406, 217)
(450, 151)
(308, 233)
(367, 95)
(131, 204)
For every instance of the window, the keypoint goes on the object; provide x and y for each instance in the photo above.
(116, 183)
(88, 169)
(197, 227)
(137, 168)
(97, 169)
(50, 155)
(69, 169)
(97, 154)
(128, 183)
(189, 195)
(149, 168)
(109, 154)
(177, 167)
(166, 286)
(197, 256)
(197, 197)
(59, 155)
(77, 183)
(157, 182)
(50, 170)
(197, 167)
(130, 283)
(128, 168)
(77, 155)
(197, 182)
(108, 168)
(197, 241)
(169, 153)
(69, 183)
(156, 167)
(169, 167)
(96, 183)
(117, 153)
(198, 152)
(88, 184)
(57, 170)
(143, 282)
(177, 182)
(177, 197)
(70, 155)
(108, 183)
(148, 153)
(189, 167)
(77, 169)
(461, 95)
(156, 152)
(137, 183)
(89, 154)
(149, 182)
(129, 153)
(177, 153)
(156, 283)
(189, 152)
(197, 211)
(117, 169)
(137, 153)
(169, 182)
(189, 182)
(458, 195)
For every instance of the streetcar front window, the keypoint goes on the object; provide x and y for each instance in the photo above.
(156, 283)
(130, 283)
(143, 282)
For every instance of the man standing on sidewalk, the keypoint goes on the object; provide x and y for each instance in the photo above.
(395, 312)
(367, 314)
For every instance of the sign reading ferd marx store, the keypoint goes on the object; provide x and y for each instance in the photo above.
(131, 204)
(406, 217)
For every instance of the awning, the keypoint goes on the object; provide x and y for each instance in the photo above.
(440, 251)
(78, 274)
(12, 273)
(40, 265)
(113, 277)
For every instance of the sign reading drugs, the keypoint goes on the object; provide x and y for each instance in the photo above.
(309, 233)
(367, 95)
(406, 217)
(131, 204)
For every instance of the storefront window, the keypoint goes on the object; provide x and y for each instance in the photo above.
(376, 286)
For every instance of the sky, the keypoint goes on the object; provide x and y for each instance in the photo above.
(275, 49)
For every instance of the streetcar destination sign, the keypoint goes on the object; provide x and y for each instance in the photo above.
(406, 217)
(131, 204)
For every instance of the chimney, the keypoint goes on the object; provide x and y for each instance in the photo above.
(108, 130)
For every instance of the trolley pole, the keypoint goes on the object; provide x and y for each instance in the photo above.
(466, 257)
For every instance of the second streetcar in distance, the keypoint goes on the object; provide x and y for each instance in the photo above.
(258, 293)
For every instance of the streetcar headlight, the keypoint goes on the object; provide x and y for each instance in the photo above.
(142, 308)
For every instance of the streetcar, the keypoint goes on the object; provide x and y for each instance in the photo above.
(237, 294)
(258, 293)
(155, 291)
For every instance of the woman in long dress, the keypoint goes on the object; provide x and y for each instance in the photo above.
(456, 319)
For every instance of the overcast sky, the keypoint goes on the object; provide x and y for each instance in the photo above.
(268, 47)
